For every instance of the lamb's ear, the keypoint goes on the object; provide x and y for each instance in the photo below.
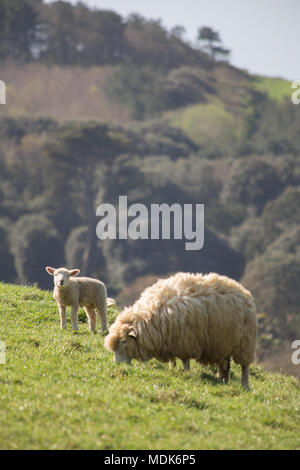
(50, 270)
(74, 272)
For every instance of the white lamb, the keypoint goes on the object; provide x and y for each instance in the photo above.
(79, 292)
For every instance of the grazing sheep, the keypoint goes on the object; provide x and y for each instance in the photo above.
(81, 291)
(210, 318)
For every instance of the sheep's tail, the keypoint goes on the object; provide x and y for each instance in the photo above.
(110, 301)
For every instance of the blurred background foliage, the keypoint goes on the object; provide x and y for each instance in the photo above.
(100, 106)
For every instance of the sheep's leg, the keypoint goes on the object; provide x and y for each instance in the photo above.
(63, 316)
(91, 314)
(227, 372)
(186, 364)
(101, 309)
(74, 317)
(224, 370)
(245, 377)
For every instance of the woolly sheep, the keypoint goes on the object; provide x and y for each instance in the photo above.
(210, 318)
(81, 291)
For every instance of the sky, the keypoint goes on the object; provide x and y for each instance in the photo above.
(263, 35)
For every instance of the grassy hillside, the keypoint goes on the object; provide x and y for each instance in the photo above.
(205, 123)
(61, 390)
(277, 88)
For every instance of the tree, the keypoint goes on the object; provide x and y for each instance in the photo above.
(274, 282)
(59, 32)
(7, 268)
(252, 182)
(280, 214)
(75, 247)
(128, 259)
(181, 87)
(18, 29)
(178, 31)
(101, 38)
(79, 157)
(36, 244)
(210, 42)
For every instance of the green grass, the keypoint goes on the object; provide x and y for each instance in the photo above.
(205, 122)
(62, 390)
(277, 88)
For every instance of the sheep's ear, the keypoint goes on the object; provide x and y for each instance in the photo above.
(110, 301)
(50, 270)
(132, 334)
(74, 272)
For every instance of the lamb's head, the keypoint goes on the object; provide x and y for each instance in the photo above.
(122, 340)
(62, 275)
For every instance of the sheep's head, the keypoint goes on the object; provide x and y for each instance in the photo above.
(122, 341)
(61, 275)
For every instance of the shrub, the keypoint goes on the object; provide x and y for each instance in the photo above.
(183, 86)
(274, 282)
(281, 214)
(248, 237)
(252, 182)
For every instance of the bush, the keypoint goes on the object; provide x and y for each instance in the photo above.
(183, 86)
(286, 244)
(274, 282)
(223, 217)
(248, 238)
(252, 182)
(281, 214)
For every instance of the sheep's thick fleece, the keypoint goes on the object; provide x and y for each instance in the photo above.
(210, 318)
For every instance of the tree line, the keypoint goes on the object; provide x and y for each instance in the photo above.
(62, 33)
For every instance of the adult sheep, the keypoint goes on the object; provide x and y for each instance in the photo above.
(210, 318)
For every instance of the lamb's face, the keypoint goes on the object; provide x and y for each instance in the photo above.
(61, 276)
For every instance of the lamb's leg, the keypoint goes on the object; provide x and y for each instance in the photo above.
(172, 363)
(63, 316)
(91, 314)
(245, 377)
(224, 370)
(74, 317)
(101, 309)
